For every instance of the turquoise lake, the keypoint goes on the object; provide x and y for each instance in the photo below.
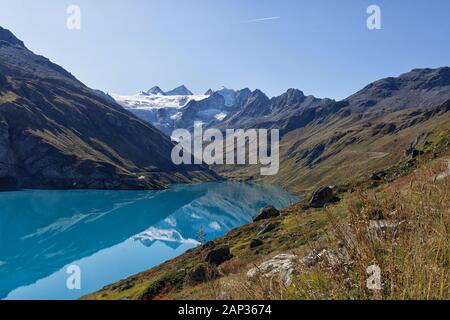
(111, 235)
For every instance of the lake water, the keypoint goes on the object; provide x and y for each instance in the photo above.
(111, 235)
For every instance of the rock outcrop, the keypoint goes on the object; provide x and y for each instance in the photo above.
(266, 213)
(281, 268)
(267, 227)
(285, 267)
(322, 196)
(202, 273)
(256, 243)
(218, 255)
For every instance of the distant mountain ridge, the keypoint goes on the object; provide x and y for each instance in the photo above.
(179, 108)
(292, 110)
(178, 91)
(366, 132)
(57, 133)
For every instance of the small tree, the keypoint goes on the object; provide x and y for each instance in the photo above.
(201, 235)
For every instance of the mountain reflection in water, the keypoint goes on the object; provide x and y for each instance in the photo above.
(112, 234)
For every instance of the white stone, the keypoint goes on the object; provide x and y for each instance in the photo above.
(282, 267)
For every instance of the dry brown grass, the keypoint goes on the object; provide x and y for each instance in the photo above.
(412, 251)
(237, 288)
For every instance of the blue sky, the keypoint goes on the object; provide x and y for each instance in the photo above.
(322, 47)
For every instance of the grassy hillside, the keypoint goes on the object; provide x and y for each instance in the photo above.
(329, 152)
(400, 222)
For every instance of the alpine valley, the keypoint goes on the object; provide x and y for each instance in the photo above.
(362, 181)
(366, 132)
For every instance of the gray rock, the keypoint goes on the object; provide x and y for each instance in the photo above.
(219, 255)
(441, 176)
(377, 176)
(281, 268)
(126, 286)
(322, 196)
(267, 227)
(200, 273)
(284, 213)
(256, 243)
(266, 213)
(413, 153)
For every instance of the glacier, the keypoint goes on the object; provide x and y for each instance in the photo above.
(178, 108)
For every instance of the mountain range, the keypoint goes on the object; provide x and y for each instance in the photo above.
(57, 133)
(178, 91)
(179, 108)
(327, 142)
(364, 132)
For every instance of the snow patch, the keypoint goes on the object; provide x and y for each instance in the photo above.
(176, 116)
(165, 235)
(220, 116)
(144, 101)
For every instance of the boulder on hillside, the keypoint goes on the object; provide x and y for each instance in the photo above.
(281, 268)
(202, 273)
(267, 227)
(266, 213)
(321, 197)
(219, 255)
(377, 176)
(413, 152)
(256, 243)
(199, 273)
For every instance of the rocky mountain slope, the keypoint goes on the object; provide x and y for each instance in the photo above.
(368, 131)
(57, 133)
(213, 110)
(420, 88)
(326, 141)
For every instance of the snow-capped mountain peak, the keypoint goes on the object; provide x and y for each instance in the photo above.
(179, 91)
(180, 108)
(229, 95)
(156, 90)
(145, 100)
(160, 109)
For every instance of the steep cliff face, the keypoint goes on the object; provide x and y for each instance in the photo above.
(8, 161)
(57, 133)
